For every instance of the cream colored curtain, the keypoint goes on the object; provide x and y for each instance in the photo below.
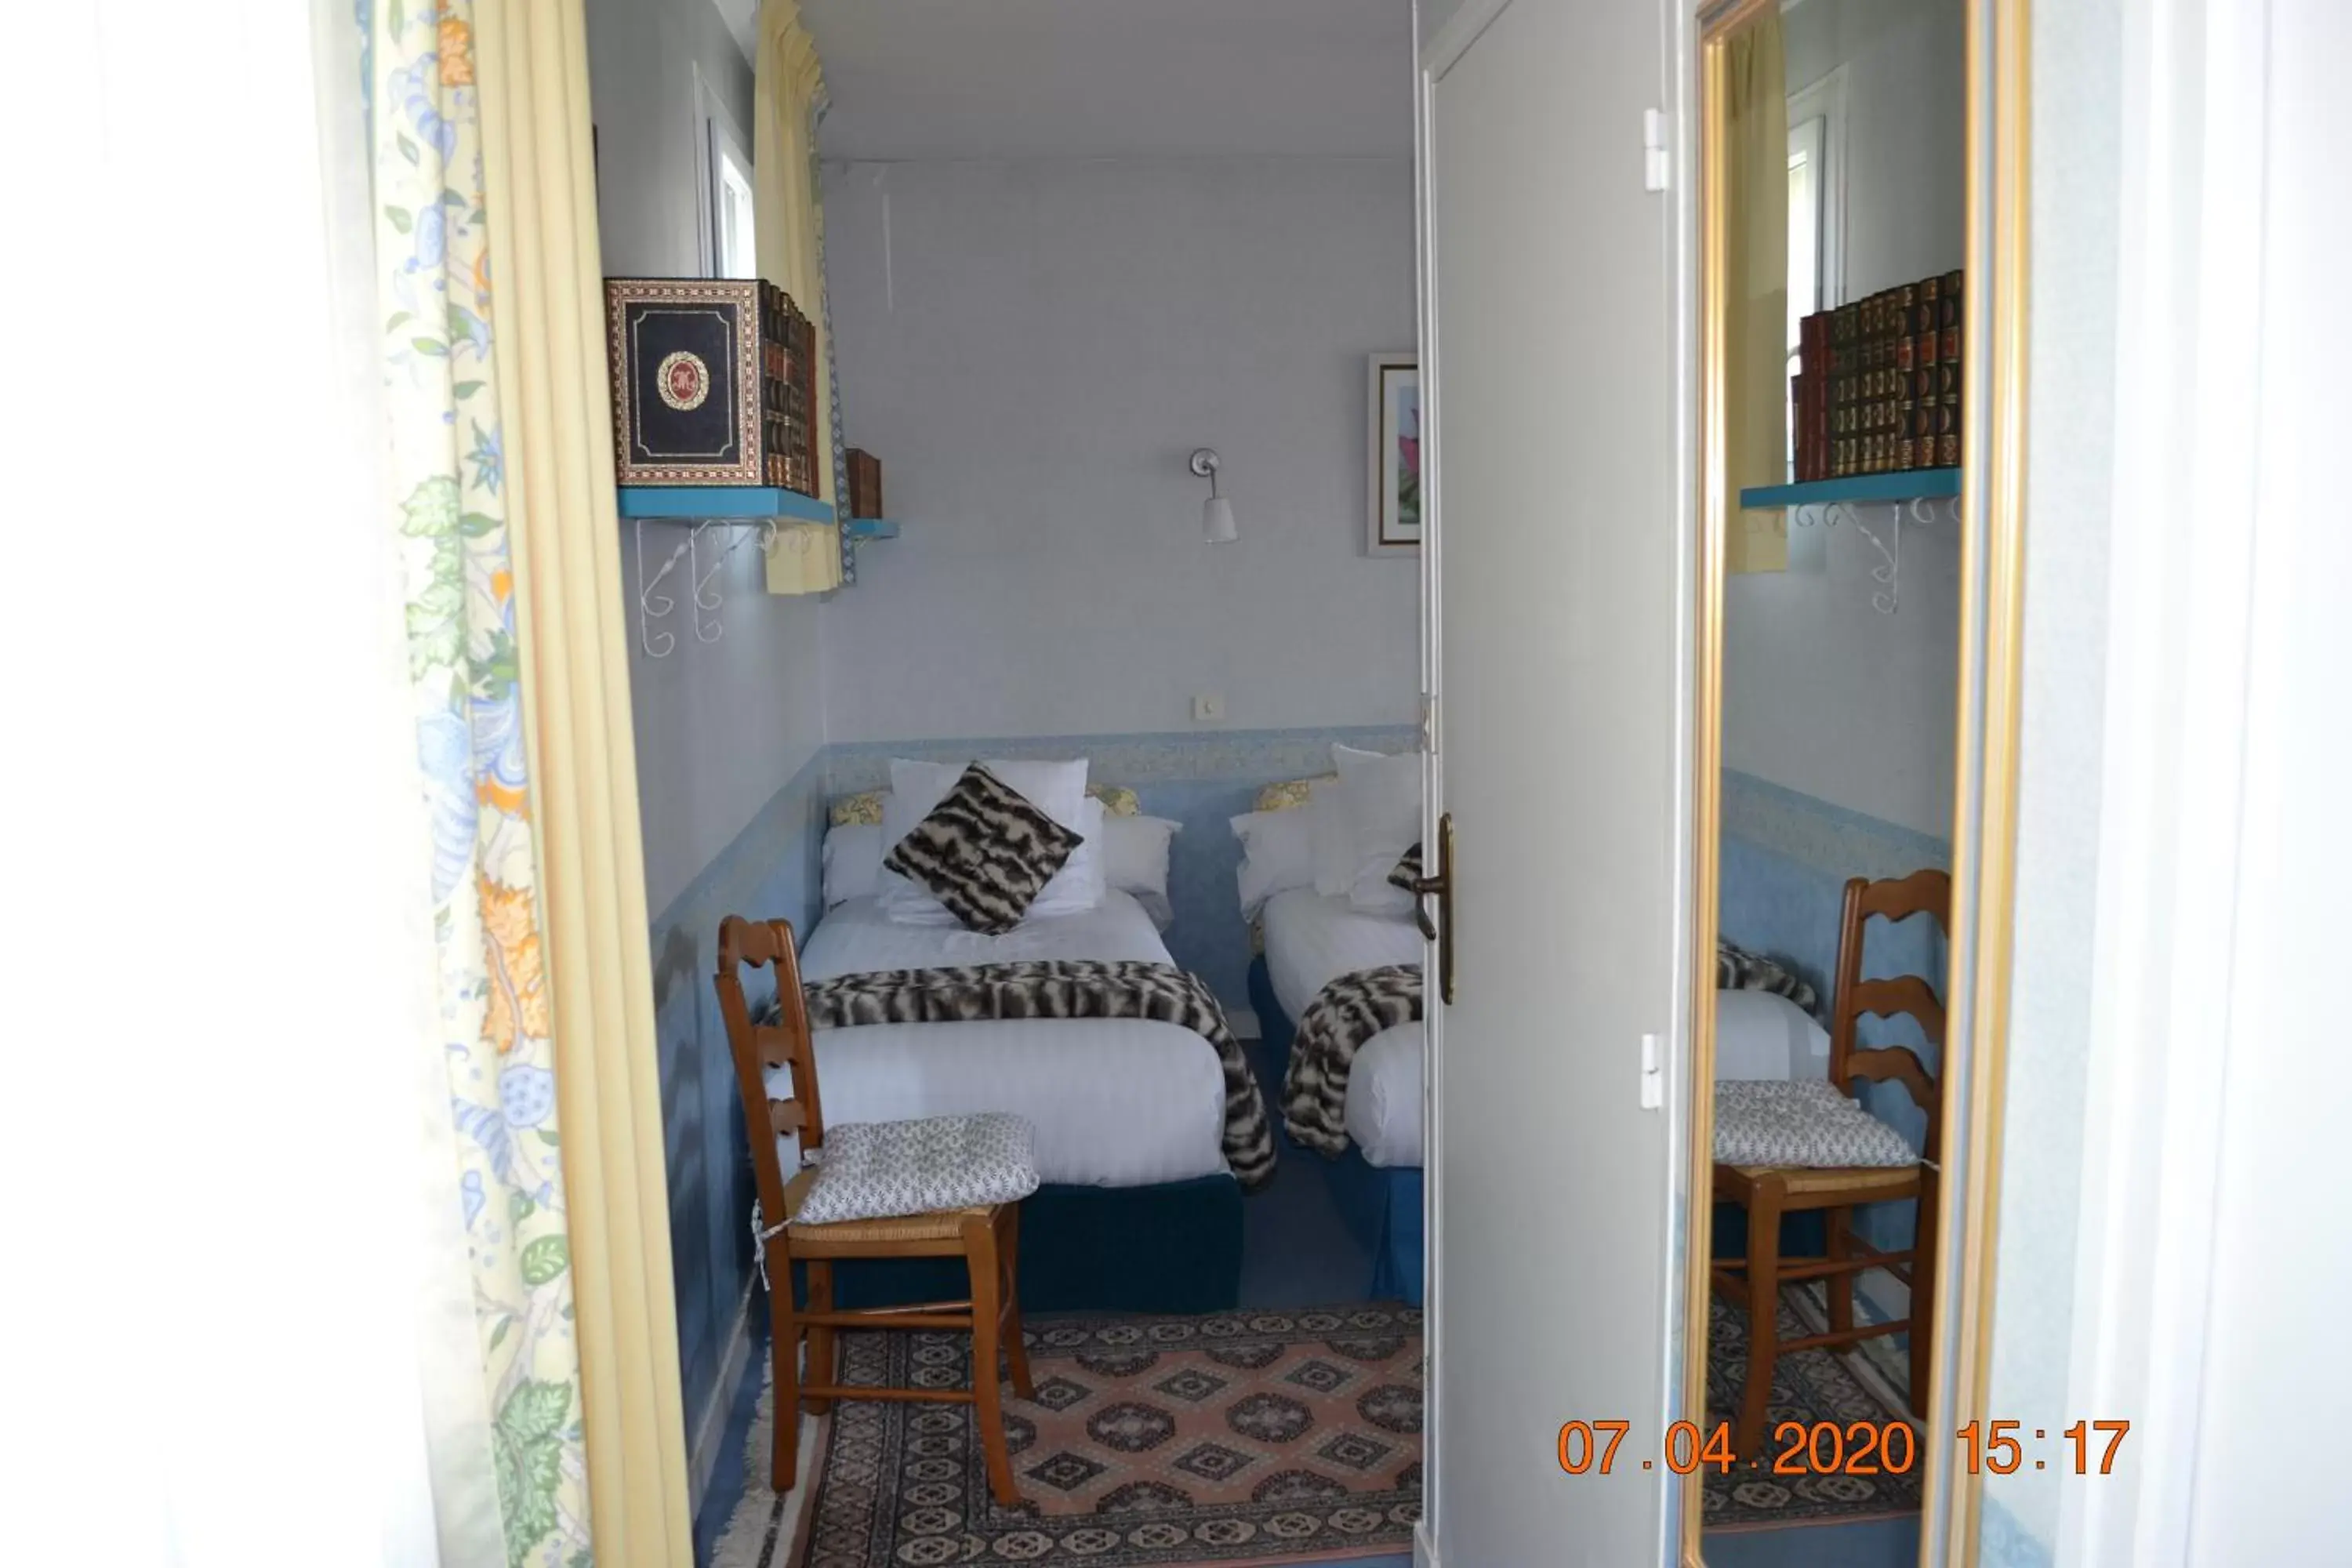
(1756, 218)
(806, 558)
(572, 638)
(446, 374)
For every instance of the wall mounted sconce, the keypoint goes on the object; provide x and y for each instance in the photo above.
(1216, 513)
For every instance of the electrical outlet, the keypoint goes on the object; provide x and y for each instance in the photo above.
(1209, 708)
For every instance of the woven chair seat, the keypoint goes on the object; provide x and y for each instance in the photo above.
(1805, 1181)
(945, 1225)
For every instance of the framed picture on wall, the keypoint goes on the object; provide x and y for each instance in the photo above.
(1394, 477)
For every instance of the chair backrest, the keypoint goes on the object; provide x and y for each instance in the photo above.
(1922, 892)
(783, 1042)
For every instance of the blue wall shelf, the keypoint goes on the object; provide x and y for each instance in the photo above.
(862, 528)
(1906, 486)
(699, 503)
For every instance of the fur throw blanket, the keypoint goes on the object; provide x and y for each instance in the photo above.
(1067, 988)
(1343, 1015)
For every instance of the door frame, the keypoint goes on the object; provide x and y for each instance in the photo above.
(1984, 788)
(1431, 62)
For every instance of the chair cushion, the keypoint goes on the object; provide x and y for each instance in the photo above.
(1806, 1123)
(877, 1170)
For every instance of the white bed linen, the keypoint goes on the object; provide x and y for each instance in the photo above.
(1760, 1035)
(1383, 1110)
(1116, 1102)
(1311, 940)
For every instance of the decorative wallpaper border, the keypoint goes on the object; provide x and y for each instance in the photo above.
(1146, 759)
(1822, 837)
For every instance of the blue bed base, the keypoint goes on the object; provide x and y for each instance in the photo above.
(1174, 1246)
(1382, 1206)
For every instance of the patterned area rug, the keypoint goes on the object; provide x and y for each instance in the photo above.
(1233, 1439)
(1810, 1386)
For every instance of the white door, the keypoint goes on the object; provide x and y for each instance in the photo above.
(1559, 643)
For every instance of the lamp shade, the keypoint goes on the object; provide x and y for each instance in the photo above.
(1217, 520)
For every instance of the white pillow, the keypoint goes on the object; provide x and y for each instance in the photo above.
(1057, 789)
(1372, 893)
(1134, 860)
(1760, 1035)
(1380, 795)
(1278, 853)
(1334, 840)
(1079, 885)
(853, 862)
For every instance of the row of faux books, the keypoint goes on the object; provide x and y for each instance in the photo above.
(1878, 389)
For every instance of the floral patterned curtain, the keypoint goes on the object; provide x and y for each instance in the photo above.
(445, 466)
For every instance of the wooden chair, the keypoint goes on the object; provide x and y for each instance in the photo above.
(987, 1238)
(1769, 1192)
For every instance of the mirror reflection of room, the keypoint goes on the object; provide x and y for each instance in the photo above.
(1843, 126)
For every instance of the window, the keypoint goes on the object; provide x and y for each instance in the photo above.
(1816, 212)
(729, 241)
(734, 244)
(1804, 247)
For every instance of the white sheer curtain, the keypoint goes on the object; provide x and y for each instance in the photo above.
(236, 1283)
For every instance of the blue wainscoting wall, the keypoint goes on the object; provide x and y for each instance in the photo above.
(770, 870)
(1202, 779)
(1786, 858)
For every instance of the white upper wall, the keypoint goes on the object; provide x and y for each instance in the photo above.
(721, 726)
(1115, 79)
(1433, 14)
(1906, 131)
(1033, 349)
(1821, 693)
(643, 59)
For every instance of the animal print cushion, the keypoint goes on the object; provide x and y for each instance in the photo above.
(985, 852)
(1406, 871)
(1805, 1123)
(1737, 968)
(864, 809)
(882, 1170)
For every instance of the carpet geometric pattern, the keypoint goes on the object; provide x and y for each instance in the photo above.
(1809, 1386)
(1237, 1437)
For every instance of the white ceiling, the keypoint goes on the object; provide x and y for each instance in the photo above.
(1114, 79)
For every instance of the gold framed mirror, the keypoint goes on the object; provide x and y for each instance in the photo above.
(1861, 225)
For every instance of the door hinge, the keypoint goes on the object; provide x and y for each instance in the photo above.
(1656, 167)
(1654, 1074)
(1429, 720)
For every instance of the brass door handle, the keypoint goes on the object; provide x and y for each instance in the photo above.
(1440, 929)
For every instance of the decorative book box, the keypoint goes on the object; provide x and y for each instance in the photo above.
(714, 383)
